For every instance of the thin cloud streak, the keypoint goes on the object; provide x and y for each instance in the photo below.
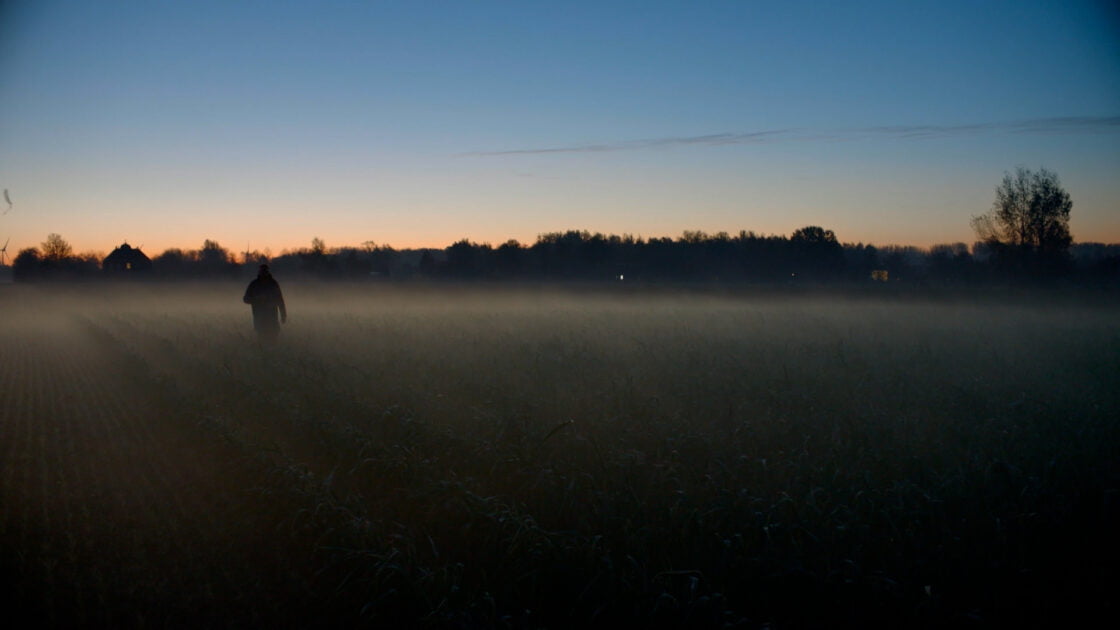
(717, 139)
(1037, 126)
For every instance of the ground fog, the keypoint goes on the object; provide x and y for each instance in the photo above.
(453, 457)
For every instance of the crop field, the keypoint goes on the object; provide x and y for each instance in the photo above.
(519, 458)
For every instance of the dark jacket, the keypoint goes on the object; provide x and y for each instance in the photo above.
(267, 301)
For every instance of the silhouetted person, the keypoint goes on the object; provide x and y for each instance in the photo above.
(267, 301)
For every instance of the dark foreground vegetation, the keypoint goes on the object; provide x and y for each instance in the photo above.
(555, 459)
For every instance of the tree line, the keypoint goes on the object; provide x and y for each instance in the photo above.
(1024, 237)
(810, 255)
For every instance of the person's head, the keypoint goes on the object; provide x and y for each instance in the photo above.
(263, 271)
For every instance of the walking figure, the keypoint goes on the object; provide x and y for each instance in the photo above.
(264, 296)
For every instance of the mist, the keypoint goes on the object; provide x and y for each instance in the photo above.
(457, 456)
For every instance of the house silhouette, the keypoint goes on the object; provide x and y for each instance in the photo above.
(126, 260)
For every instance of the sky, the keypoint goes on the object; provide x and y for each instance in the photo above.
(413, 124)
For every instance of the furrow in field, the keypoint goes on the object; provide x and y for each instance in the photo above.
(203, 531)
(159, 484)
(19, 491)
(105, 506)
(115, 488)
(29, 479)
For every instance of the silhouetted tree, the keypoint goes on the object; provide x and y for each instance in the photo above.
(951, 263)
(172, 263)
(468, 260)
(213, 259)
(253, 258)
(85, 264)
(813, 234)
(383, 260)
(316, 260)
(510, 258)
(56, 261)
(860, 260)
(1096, 261)
(904, 262)
(27, 265)
(427, 264)
(353, 262)
(818, 252)
(1027, 228)
(56, 249)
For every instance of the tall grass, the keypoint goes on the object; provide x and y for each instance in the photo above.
(525, 459)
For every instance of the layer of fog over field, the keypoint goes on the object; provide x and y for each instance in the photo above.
(469, 454)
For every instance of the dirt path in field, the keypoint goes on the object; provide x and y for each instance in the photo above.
(115, 508)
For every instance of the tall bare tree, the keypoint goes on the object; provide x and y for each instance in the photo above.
(1029, 219)
(56, 249)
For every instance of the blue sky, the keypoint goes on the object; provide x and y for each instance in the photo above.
(166, 123)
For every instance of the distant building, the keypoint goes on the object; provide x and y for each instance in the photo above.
(126, 260)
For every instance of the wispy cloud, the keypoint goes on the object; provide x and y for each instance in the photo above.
(1066, 124)
(758, 137)
(1036, 126)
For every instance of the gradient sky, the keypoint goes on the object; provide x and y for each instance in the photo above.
(420, 123)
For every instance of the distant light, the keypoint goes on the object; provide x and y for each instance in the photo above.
(621, 277)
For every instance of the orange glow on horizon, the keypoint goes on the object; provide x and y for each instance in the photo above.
(153, 247)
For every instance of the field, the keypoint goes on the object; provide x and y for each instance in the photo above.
(445, 457)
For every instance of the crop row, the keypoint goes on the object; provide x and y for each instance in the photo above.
(116, 510)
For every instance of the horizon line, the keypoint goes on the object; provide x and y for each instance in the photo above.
(637, 236)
